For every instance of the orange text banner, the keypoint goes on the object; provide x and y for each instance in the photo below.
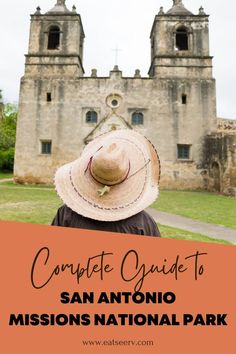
(78, 291)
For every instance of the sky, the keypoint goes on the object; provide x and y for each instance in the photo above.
(122, 24)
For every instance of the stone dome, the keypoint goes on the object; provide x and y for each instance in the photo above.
(178, 9)
(59, 8)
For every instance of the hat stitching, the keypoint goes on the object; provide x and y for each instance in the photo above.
(114, 208)
(96, 205)
(158, 159)
(120, 209)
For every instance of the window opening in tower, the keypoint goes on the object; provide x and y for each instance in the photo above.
(181, 39)
(54, 38)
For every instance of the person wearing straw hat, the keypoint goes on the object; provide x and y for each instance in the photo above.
(108, 187)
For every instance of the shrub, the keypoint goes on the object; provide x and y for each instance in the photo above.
(7, 160)
(7, 137)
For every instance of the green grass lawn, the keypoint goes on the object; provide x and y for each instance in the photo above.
(4, 175)
(38, 205)
(203, 206)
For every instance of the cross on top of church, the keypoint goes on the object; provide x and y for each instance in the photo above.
(61, 2)
(60, 8)
(177, 2)
(116, 50)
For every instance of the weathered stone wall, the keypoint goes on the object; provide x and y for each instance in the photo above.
(226, 125)
(62, 62)
(167, 61)
(220, 161)
(167, 121)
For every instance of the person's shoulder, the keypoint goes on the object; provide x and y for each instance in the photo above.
(65, 211)
(149, 223)
(143, 214)
(63, 208)
(67, 217)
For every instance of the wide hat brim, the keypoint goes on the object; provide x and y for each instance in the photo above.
(79, 191)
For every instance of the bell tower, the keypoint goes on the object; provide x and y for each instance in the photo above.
(182, 67)
(180, 44)
(54, 63)
(55, 43)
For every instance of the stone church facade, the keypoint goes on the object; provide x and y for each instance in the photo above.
(61, 110)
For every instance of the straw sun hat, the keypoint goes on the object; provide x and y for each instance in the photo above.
(116, 176)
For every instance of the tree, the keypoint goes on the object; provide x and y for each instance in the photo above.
(8, 137)
(1, 105)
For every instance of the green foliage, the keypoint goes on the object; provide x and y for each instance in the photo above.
(8, 137)
(7, 159)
